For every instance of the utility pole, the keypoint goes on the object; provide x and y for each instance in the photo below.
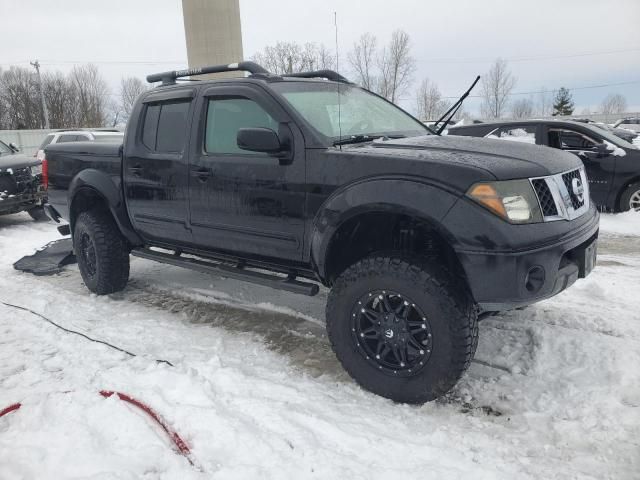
(45, 112)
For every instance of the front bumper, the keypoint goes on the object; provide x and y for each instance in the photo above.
(508, 279)
(21, 202)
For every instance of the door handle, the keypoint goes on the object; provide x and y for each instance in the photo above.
(136, 169)
(201, 174)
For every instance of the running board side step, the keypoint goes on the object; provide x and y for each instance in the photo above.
(289, 283)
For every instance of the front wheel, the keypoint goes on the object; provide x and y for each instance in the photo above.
(402, 328)
(630, 199)
(101, 251)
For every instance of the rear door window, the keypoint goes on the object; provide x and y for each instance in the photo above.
(67, 138)
(165, 126)
(524, 134)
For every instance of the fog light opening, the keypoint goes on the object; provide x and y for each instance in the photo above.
(535, 279)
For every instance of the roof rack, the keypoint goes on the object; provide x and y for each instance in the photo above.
(328, 74)
(169, 78)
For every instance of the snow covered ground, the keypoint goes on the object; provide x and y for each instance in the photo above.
(257, 393)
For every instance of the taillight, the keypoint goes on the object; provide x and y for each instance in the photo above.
(45, 173)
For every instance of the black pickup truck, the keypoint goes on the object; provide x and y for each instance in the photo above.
(308, 179)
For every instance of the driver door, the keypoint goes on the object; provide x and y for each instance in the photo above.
(600, 166)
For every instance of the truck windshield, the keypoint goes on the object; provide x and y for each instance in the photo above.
(360, 112)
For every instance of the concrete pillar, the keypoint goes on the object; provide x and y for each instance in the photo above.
(213, 32)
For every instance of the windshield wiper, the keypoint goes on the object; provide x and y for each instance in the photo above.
(365, 138)
(453, 110)
(356, 139)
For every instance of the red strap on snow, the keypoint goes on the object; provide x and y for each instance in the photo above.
(10, 409)
(179, 443)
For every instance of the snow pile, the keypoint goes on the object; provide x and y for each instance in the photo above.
(627, 223)
(256, 392)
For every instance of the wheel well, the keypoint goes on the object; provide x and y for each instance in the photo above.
(372, 232)
(84, 200)
(624, 188)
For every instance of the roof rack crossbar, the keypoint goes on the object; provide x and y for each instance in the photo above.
(169, 78)
(328, 74)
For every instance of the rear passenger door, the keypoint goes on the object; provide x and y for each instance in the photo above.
(155, 167)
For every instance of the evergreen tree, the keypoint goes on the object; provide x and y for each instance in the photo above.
(563, 103)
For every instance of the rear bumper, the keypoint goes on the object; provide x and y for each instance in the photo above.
(506, 280)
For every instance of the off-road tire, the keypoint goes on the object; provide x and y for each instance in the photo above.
(632, 190)
(37, 213)
(444, 299)
(106, 270)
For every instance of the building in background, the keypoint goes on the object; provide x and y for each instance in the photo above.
(213, 33)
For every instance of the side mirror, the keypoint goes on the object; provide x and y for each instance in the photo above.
(14, 147)
(602, 149)
(257, 139)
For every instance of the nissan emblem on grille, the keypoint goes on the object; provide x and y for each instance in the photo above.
(578, 189)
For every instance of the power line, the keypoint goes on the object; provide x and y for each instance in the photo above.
(525, 58)
(568, 88)
(521, 58)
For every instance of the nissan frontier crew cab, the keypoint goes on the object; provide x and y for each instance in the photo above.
(307, 179)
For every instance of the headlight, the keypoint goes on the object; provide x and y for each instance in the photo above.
(36, 170)
(513, 200)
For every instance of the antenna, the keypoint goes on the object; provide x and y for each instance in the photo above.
(335, 24)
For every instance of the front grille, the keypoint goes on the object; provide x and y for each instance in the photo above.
(567, 178)
(557, 198)
(7, 184)
(545, 197)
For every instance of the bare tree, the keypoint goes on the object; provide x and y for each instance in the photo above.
(362, 60)
(130, 89)
(522, 108)
(544, 103)
(396, 67)
(92, 95)
(614, 103)
(21, 98)
(61, 98)
(430, 104)
(291, 57)
(497, 84)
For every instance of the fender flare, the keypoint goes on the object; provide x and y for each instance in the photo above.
(104, 186)
(399, 195)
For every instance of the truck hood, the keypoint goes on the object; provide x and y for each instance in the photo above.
(17, 161)
(503, 159)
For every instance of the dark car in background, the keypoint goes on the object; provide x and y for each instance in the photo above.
(21, 185)
(623, 133)
(612, 164)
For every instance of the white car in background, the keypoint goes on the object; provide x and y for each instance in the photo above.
(631, 123)
(61, 136)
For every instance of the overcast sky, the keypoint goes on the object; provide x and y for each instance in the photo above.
(594, 42)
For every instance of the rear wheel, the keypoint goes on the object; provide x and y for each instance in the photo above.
(101, 251)
(402, 328)
(630, 199)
